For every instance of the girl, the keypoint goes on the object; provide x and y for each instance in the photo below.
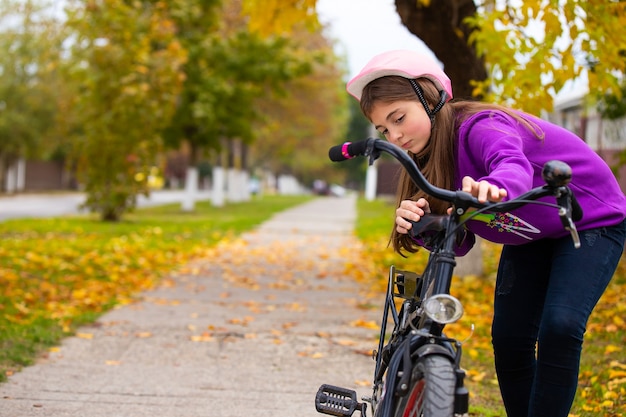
(545, 288)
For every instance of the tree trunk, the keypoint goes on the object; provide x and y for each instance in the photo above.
(440, 26)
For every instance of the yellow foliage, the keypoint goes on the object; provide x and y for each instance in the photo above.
(532, 51)
(63, 282)
(279, 17)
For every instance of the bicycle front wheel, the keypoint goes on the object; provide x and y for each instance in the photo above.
(432, 389)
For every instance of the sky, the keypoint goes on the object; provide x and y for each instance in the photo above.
(364, 28)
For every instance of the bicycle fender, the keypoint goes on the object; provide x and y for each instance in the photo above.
(433, 349)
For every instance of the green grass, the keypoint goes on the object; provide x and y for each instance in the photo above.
(375, 219)
(602, 381)
(59, 273)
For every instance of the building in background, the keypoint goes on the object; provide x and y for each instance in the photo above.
(606, 137)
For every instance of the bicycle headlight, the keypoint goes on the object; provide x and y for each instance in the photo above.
(443, 308)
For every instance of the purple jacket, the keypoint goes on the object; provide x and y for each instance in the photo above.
(493, 146)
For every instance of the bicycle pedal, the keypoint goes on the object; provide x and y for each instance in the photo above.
(337, 401)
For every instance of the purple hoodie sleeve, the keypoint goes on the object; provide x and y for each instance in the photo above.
(498, 148)
(492, 143)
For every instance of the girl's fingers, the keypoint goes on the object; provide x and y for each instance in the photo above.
(410, 211)
(402, 226)
(483, 190)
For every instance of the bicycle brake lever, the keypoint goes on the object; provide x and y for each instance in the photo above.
(569, 225)
(565, 213)
(372, 152)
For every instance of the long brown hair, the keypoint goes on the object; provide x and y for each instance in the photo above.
(437, 160)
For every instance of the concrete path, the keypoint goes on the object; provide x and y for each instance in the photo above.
(253, 329)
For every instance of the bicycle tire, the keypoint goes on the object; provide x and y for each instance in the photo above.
(432, 389)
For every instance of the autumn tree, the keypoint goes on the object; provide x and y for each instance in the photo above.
(310, 113)
(125, 64)
(246, 75)
(530, 52)
(228, 68)
(306, 118)
(223, 80)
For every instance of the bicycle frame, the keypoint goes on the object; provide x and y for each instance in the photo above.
(417, 331)
(413, 335)
(413, 332)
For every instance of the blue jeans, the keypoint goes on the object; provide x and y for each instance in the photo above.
(545, 292)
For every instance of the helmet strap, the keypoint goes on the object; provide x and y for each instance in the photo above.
(443, 96)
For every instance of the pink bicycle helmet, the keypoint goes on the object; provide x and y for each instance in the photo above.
(408, 64)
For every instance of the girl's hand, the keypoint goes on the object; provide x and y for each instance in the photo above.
(410, 210)
(483, 190)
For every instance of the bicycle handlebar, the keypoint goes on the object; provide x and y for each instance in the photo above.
(372, 147)
(557, 175)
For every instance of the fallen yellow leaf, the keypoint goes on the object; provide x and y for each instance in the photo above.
(610, 395)
(364, 324)
(607, 404)
(204, 337)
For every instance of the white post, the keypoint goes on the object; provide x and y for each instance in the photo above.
(191, 189)
(371, 181)
(10, 179)
(270, 182)
(234, 186)
(371, 178)
(244, 179)
(20, 182)
(217, 194)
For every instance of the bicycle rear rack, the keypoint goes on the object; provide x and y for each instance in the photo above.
(337, 401)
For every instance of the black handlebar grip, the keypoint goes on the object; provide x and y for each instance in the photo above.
(347, 150)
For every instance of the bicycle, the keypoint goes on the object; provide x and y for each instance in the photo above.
(418, 369)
